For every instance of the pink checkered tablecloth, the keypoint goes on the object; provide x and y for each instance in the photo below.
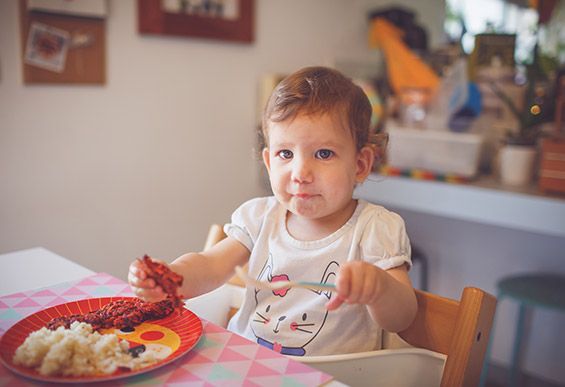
(221, 358)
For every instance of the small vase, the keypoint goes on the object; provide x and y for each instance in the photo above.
(517, 164)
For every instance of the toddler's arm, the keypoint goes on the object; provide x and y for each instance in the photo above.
(202, 272)
(388, 294)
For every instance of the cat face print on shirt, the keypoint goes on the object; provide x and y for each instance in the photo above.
(287, 320)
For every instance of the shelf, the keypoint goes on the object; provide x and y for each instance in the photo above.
(484, 201)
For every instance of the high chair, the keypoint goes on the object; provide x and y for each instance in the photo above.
(445, 345)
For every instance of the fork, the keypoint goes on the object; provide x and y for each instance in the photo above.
(282, 284)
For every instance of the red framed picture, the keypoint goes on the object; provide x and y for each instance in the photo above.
(229, 20)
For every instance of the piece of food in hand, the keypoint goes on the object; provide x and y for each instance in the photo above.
(132, 312)
(164, 277)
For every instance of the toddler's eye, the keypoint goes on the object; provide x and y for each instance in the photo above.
(285, 154)
(324, 154)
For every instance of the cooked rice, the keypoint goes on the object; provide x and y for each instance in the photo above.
(78, 351)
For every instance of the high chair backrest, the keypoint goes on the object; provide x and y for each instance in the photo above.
(216, 234)
(458, 329)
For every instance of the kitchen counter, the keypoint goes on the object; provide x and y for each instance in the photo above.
(483, 201)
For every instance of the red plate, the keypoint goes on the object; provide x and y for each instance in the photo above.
(186, 326)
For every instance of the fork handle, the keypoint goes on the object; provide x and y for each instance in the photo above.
(313, 286)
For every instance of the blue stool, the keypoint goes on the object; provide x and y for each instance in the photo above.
(529, 290)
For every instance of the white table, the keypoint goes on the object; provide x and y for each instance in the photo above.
(36, 268)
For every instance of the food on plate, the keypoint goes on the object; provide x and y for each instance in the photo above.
(85, 344)
(118, 314)
(78, 351)
(164, 277)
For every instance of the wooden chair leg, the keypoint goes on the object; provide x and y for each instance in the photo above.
(484, 371)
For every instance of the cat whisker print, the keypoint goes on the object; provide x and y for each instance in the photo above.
(263, 320)
(298, 327)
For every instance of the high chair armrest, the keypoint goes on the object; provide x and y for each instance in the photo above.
(218, 305)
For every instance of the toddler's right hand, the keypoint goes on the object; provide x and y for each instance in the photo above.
(144, 287)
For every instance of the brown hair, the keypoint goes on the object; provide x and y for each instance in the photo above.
(319, 90)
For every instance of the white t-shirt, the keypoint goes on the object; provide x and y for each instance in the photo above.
(295, 321)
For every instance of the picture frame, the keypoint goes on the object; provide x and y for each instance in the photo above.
(227, 20)
(47, 47)
(62, 46)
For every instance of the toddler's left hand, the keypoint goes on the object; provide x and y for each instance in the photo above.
(357, 283)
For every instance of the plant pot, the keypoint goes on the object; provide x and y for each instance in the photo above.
(517, 164)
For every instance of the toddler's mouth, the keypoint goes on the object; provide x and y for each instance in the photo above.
(303, 195)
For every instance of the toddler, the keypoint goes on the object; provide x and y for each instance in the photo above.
(317, 149)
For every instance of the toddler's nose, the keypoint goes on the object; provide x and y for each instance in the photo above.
(302, 171)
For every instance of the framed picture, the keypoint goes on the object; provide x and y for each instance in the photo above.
(63, 45)
(229, 20)
(47, 47)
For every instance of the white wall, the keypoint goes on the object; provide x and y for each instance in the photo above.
(143, 164)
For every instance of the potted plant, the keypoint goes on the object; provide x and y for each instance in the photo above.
(519, 146)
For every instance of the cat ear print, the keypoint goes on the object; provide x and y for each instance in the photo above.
(267, 270)
(266, 273)
(329, 276)
(330, 272)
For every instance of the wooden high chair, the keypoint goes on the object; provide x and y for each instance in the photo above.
(458, 329)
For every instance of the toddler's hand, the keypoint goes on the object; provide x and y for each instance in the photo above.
(144, 287)
(357, 283)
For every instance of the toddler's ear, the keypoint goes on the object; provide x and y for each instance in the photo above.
(266, 159)
(365, 159)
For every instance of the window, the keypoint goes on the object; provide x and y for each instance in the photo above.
(466, 18)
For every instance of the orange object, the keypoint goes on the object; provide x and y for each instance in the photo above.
(405, 69)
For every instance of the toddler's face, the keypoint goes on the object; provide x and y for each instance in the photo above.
(313, 165)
